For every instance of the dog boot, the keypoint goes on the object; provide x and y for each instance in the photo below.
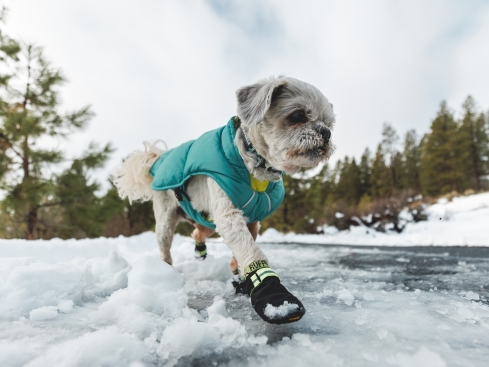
(200, 250)
(270, 299)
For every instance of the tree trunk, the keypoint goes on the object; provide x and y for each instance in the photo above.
(477, 181)
(31, 220)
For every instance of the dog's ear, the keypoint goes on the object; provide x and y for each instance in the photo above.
(254, 100)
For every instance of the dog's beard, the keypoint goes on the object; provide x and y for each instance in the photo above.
(308, 151)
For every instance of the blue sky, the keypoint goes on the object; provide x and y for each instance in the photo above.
(168, 69)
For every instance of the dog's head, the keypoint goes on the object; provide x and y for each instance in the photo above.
(288, 121)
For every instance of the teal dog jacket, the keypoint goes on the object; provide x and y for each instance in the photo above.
(214, 154)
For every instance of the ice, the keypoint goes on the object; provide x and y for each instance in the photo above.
(345, 296)
(471, 295)
(465, 312)
(32, 286)
(210, 269)
(285, 309)
(65, 306)
(105, 277)
(105, 347)
(218, 307)
(153, 294)
(422, 358)
(259, 340)
(43, 313)
(113, 302)
(185, 337)
(368, 297)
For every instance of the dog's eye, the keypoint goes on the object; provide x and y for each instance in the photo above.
(297, 117)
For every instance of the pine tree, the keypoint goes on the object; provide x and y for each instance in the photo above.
(323, 185)
(482, 147)
(397, 171)
(381, 176)
(349, 185)
(389, 143)
(472, 145)
(83, 212)
(339, 191)
(411, 162)
(437, 167)
(389, 140)
(364, 173)
(29, 113)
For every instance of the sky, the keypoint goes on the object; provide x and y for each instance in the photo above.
(154, 69)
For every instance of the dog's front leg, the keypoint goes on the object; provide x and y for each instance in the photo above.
(270, 299)
(253, 228)
(232, 226)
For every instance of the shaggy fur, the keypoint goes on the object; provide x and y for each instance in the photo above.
(288, 122)
(132, 177)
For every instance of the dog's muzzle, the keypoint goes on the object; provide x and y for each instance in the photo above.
(325, 133)
(321, 150)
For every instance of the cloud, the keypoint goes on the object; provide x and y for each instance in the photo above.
(168, 69)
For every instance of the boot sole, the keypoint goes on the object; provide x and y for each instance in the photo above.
(294, 317)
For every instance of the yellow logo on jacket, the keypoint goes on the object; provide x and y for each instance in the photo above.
(258, 185)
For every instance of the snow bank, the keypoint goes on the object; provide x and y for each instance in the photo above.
(108, 302)
(464, 221)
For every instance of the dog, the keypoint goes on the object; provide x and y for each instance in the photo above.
(231, 178)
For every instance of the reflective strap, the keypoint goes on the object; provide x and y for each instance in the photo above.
(262, 274)
(201, 253)
(200, 249)
(249, 201)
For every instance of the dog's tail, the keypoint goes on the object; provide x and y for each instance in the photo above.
(132, 178)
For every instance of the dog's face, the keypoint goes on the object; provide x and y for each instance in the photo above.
(289, 122)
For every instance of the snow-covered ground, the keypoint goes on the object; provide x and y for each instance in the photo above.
(112, 302)
(464, 221)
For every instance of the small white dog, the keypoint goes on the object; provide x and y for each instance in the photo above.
(230, 178)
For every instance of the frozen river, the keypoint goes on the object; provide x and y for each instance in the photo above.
(418, 306)
(113, 303)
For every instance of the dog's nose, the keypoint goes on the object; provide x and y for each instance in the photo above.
(325, 132)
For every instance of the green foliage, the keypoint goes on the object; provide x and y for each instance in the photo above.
(439, 155)
(365, 172)
(29, 114)
(126, 219)
(348, 188)
(472, 146)
(411, 162)
(381, 177)
(84, 213)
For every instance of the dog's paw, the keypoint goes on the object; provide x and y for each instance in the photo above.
(275, 304)
(270, 299)
(200, 251)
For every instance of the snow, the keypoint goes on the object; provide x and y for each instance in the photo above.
(43, 313)
(345, 296)
(273, 312)
(113, 302)
(464, 221)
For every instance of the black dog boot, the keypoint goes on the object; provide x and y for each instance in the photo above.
(270, 299)
(200, 250)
